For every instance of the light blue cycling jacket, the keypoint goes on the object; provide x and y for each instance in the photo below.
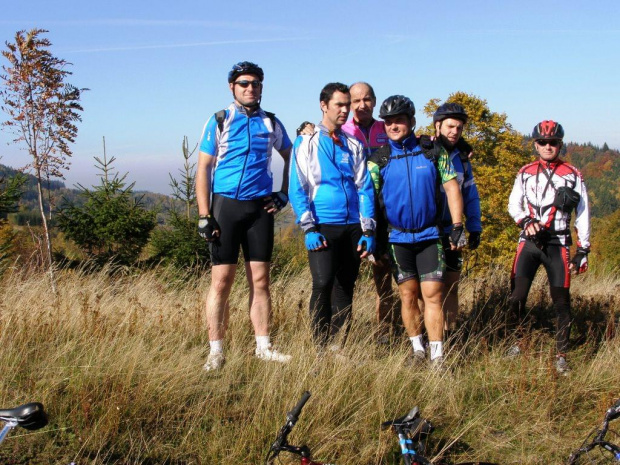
(329, 183)
(243, 149)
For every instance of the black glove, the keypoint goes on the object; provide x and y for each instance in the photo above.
(280, 199)
(580, 260)
(474, 240)
(207, 226)
(302, 126)
(457, 235)
(525, 222)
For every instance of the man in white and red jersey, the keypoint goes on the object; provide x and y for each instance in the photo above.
(545, 194)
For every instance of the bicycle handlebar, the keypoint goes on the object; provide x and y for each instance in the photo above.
(613, 412)
(293, 415)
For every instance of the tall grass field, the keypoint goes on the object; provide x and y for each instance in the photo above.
(116, 358)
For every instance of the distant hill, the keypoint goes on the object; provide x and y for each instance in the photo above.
(59, 194)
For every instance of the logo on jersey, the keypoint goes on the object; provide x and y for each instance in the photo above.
(382, 139)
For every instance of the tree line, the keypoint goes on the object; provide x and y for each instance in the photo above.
(111, 222)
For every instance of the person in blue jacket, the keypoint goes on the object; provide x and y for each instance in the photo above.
(449, 120)
(332, 196)
(407, 174)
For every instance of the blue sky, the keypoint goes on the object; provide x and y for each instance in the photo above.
(157, 70)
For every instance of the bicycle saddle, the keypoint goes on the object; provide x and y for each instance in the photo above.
(29, 416)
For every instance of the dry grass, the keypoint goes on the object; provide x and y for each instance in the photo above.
(117, 361)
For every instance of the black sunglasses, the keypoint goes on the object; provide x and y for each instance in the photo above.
(245, 84)
(552, 142)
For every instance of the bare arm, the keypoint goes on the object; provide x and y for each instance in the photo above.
(455, 203)
(455, 200)
(204, 179)
(286, 156)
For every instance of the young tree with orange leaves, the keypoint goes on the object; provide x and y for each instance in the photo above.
(43, 110)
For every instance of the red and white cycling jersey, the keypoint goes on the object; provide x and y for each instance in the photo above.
(533, 194)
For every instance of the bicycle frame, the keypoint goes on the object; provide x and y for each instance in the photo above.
(409, 428)
(599, 440)
(281, 443)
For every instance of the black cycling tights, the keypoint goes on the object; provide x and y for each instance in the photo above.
(561, 304)
(339, 262)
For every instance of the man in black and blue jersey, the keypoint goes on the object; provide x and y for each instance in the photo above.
(407, 175)
(236, 205)
(449, 120)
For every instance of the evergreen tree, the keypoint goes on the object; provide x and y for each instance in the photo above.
(110, 225)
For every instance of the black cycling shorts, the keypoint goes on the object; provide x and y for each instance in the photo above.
(553, 257)
(424, 261)
(243, 223)
(454, 258)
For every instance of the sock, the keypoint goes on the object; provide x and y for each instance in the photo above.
(436, 349)
(217, 346)
(262, 342)
(416, 341)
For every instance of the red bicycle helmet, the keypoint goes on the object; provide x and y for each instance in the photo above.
(548, 129)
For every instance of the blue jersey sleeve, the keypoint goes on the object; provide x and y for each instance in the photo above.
(298, 190)
(208, 143)
(471, 200)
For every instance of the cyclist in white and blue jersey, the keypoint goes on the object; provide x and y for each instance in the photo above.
(236, 205)
(333, 199)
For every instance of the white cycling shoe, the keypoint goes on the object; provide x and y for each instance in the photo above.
(215, 361)
(269, 354)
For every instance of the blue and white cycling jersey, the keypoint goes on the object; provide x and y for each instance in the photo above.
(243, 149)
(471, 199)
(329, 182)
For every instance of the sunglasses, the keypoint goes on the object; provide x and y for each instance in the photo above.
(552, 143)
(245, 84)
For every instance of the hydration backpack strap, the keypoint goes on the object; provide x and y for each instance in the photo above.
(430, 148)
(464, 150)
(272, 118)
(381, 156)
(432, 151)
(220, 116)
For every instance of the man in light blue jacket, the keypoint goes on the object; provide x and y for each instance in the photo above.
(332, 196)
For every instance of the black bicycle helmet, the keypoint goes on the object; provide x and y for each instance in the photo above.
(397, 105)
(548, 130)
(245, 67)
(450, 110)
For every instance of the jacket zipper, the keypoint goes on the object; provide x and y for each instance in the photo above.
(245, 161)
